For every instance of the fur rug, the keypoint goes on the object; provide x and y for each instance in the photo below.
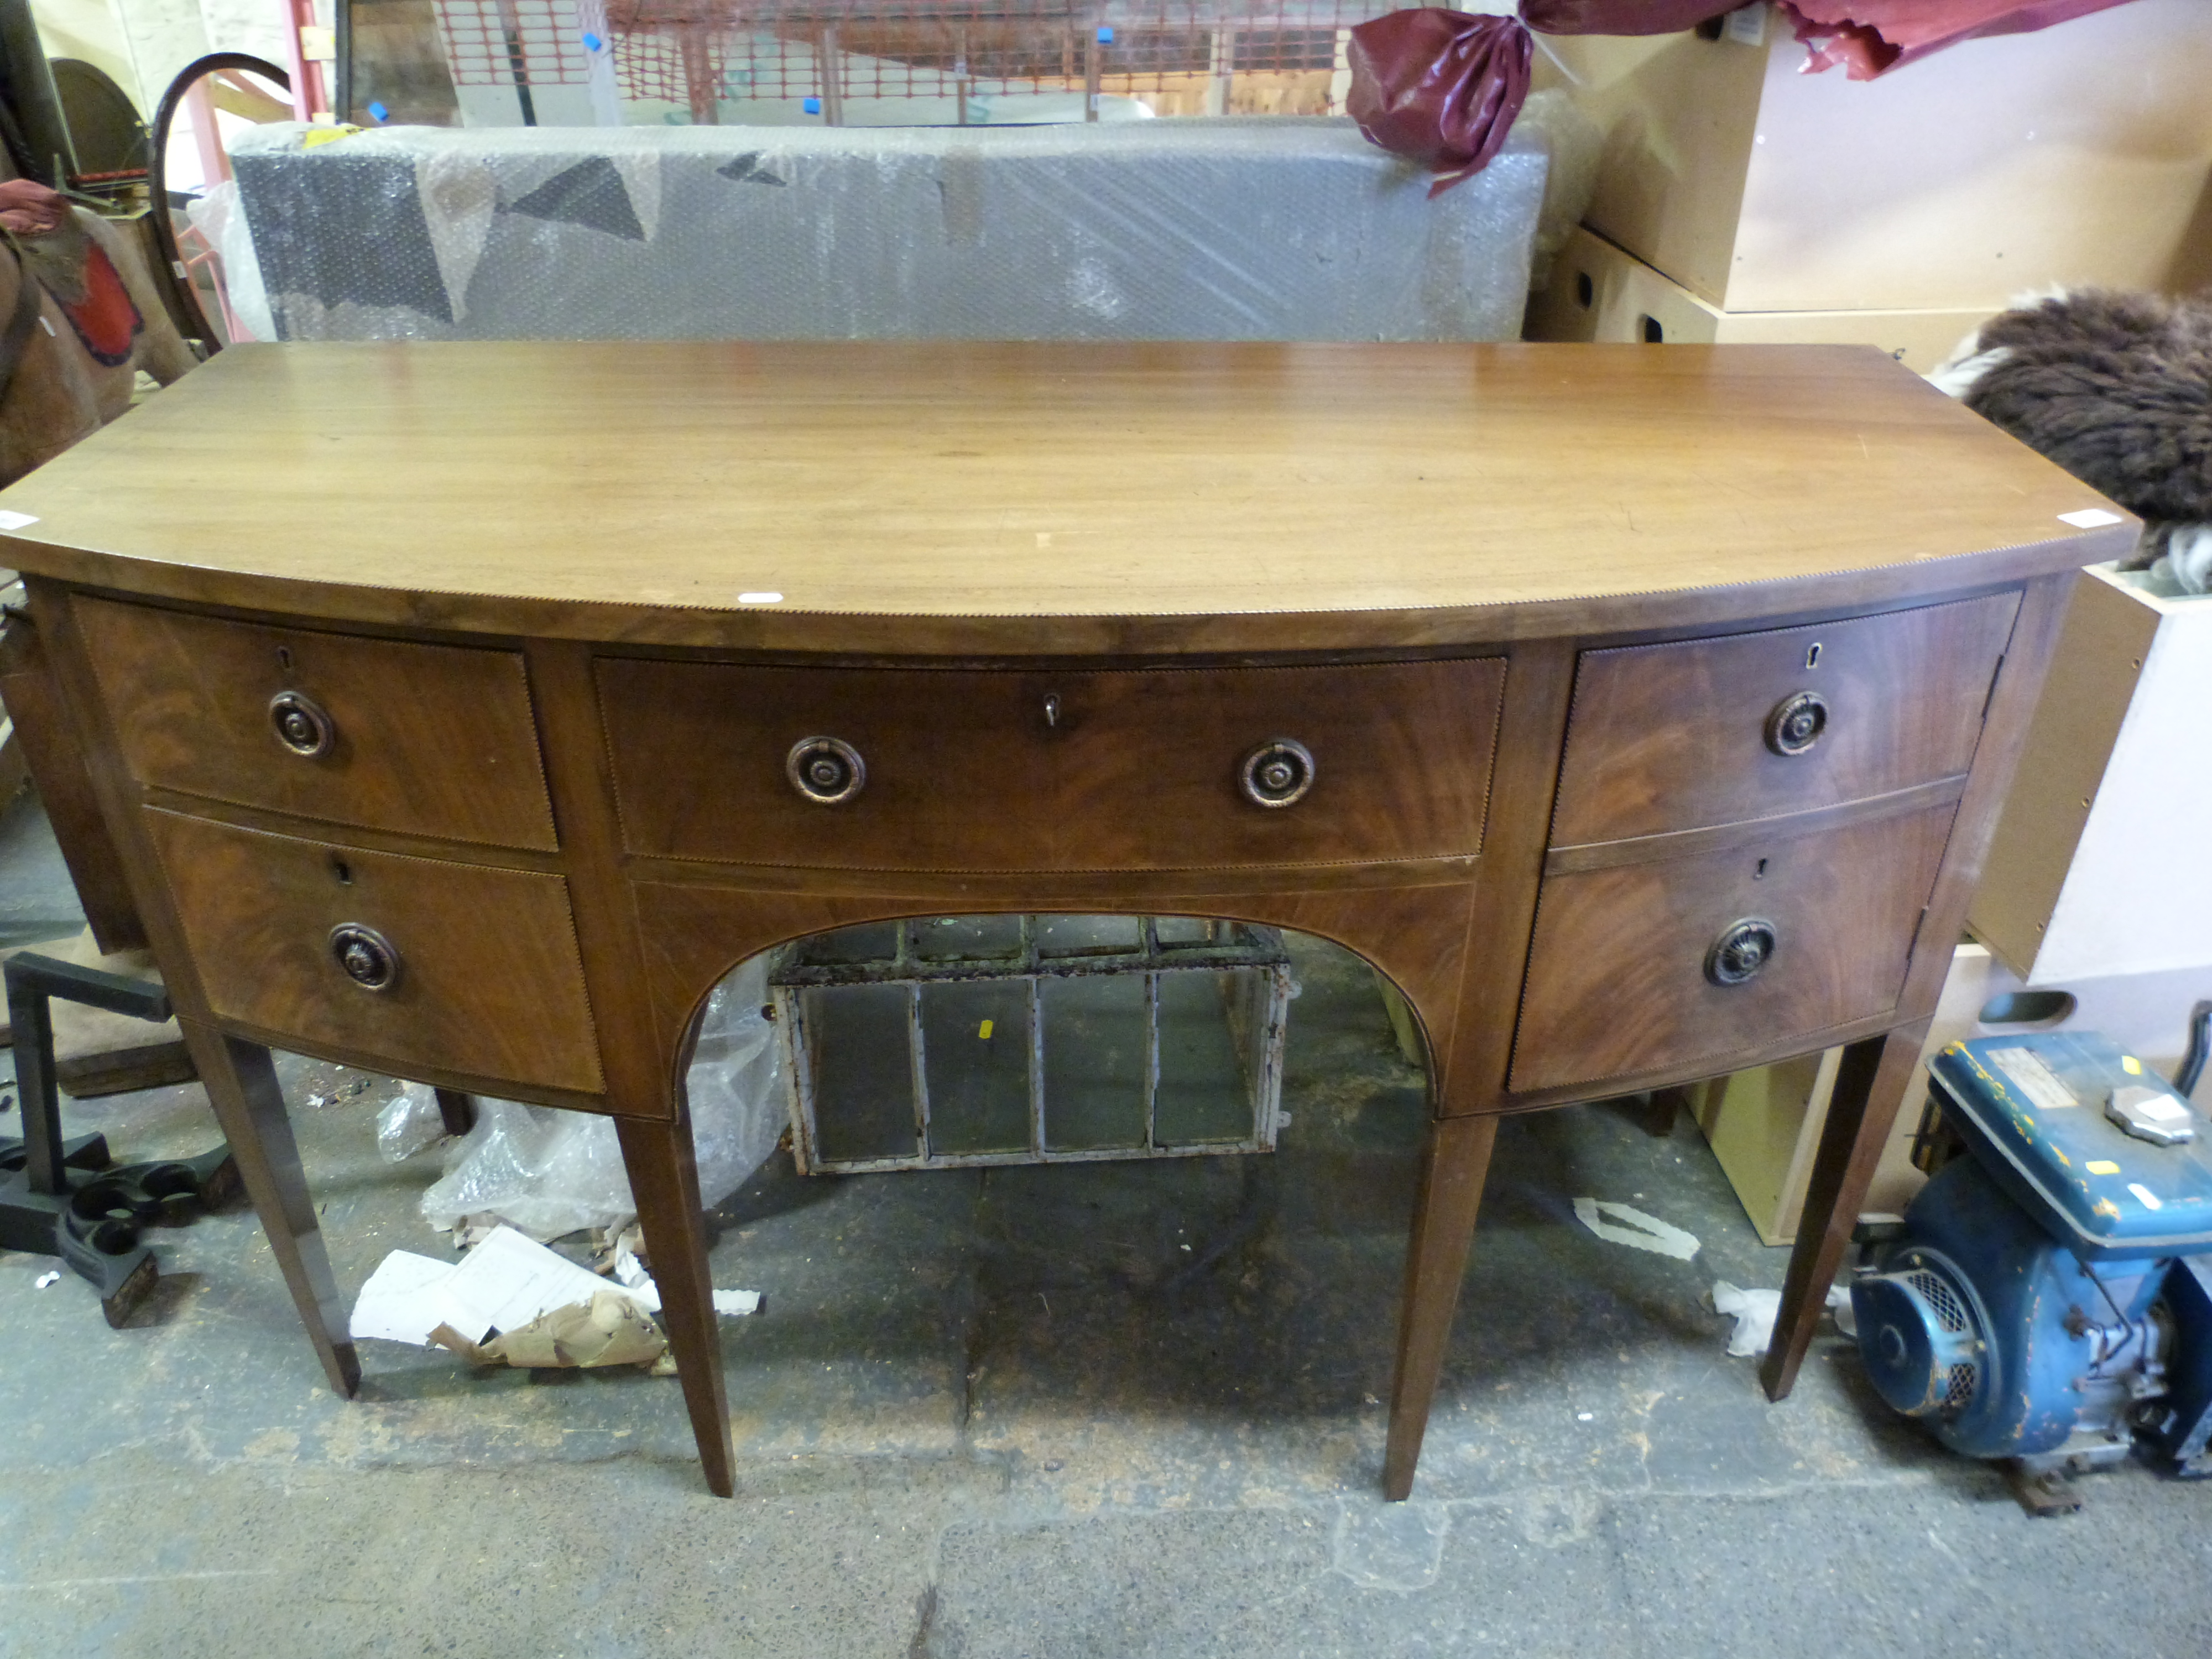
(2117, 388)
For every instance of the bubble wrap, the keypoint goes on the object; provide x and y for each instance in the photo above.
(1230, 229)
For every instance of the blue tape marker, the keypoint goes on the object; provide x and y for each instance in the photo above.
(379, 113)
(812, 105)
(1105, 36)
(592, 42)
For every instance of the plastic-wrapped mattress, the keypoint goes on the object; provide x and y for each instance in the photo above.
(1187, 230)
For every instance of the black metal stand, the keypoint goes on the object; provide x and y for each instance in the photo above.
(68, 1199)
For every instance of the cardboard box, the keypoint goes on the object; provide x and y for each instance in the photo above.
(1600, 292)
(2081, 153)
(2098, 868)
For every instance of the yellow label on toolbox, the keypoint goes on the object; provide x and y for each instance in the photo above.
(2104, 1166)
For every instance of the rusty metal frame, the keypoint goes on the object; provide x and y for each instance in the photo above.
(1257, 1031)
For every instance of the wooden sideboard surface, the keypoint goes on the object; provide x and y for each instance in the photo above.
(452, 712)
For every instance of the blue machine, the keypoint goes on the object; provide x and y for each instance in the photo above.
(2049, 1296)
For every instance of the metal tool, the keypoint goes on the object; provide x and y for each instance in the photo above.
(67, 1198)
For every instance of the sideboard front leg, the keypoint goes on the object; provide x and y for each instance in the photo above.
(1869, 1086)
(664, 1179)
(241, 1086)
(1452, 1171)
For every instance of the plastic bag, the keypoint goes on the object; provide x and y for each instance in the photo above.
(408, 1122)
(219, 216)
(1573, 143)
(547, 1173)
(1439, 88)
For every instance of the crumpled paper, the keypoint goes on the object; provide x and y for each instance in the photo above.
(610, 1329)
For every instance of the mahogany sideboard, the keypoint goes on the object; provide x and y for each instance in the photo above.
(466, 711)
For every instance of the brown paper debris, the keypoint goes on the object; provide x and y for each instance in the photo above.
(610, 1329)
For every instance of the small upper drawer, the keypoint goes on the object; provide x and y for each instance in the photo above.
(453, 966)
(954, 769)
(1683, 962)
(1709, 731)
(388, 734)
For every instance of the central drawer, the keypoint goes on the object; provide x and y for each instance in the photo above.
(1023, 770)
(483, 974)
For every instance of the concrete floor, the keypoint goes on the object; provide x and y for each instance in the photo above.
(1116, 1411)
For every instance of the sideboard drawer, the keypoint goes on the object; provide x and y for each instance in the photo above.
(486, 978)
(385, 734)
(1677, 736)
(1626, 974)
(1019, 770)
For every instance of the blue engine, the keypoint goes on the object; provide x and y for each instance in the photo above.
(2049, 1298)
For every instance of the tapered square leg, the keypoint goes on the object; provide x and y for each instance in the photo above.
(664, 1179)
(1452, 1171)
(242, 1085)
(1870, 1085)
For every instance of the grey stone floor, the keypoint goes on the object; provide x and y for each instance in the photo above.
(1112, 1411)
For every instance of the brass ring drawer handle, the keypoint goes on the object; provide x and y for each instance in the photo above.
(302, 725)
(1277, 773)
(1795, 724)
(825, 770)
(364, 956)
(1743, 949)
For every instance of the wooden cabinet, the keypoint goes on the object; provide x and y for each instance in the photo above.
(381, 734)
(1480, 662)
(941, 769)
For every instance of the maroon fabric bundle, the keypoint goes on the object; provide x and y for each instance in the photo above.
(1439, 88)
(1866, 37)
(1442, 87)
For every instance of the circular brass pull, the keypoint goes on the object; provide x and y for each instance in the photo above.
(302, 725)
(1796, 722)
(1742, 950)
(1277, 773)
(364, 956)
(825, 770)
